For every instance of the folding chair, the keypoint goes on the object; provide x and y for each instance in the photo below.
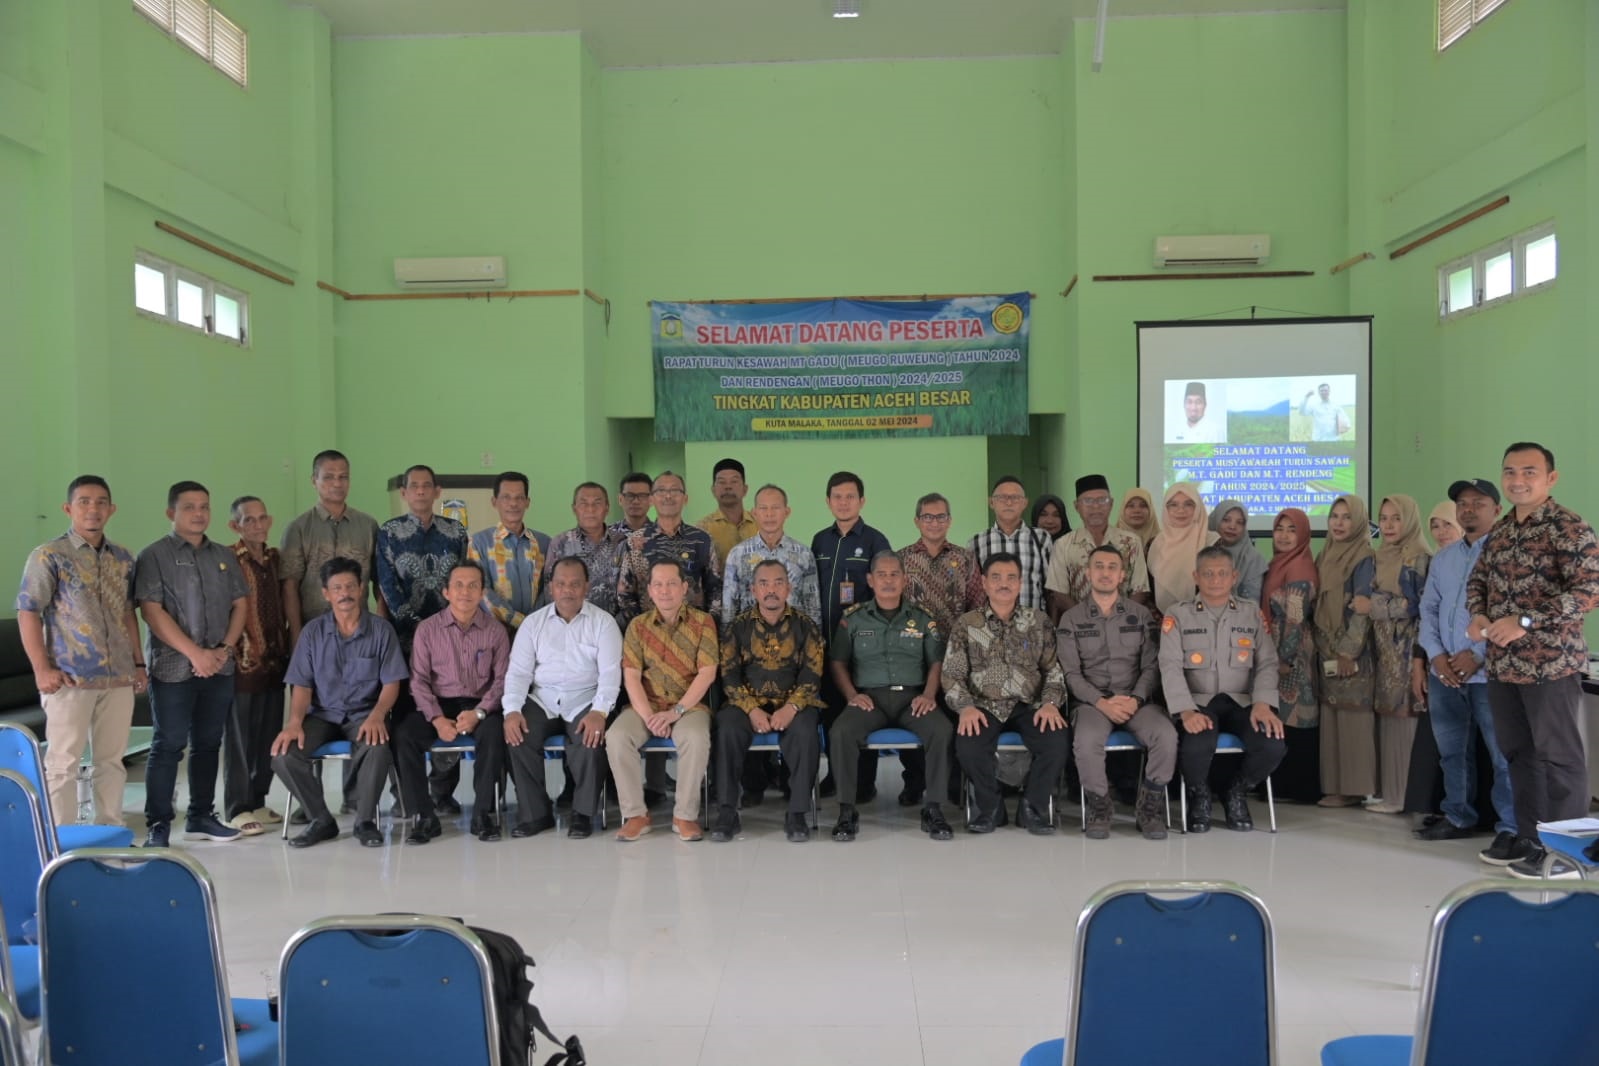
(104, 909)
(332, 751)
(555, 748)
(1208, 937)
(1122, 740)
(19, 753)
(1226, 744)
(347, 984)
(1493, 956)
(1569, 847)
(668, 747)
(24, 853)
(1009, 741)
(772, 742)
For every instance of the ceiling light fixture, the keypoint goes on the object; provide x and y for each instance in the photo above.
(846, 9)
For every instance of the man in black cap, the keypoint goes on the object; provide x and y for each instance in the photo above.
(1066, 580)
(1197, 425)
(1457, 685)
(730, 524)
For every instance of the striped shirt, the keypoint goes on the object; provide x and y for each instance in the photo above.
(1031, 546)
(670, 654)
(452, 661)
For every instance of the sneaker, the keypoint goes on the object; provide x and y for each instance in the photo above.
(633, 828)
(687, 831)
(1443, 829)
(208, 827)
(1542, 866)
(1506, 849)
(159, 835)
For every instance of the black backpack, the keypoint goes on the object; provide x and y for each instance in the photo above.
(513, 1004)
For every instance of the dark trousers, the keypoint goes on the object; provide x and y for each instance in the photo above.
(412, 735)
(1195, 751)
(187, 714)
(914, 773)
(586, 766)
(369, 767)
(252, 725)
(1536, 727)
(847, 741)
(800, 746)
(979, 758)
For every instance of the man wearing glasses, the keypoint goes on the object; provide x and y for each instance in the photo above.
(1012, 536)
(668, 537)
(634, 491)
(941, 578)
(1067, 578)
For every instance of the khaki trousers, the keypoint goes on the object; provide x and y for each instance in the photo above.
(692, 735)
(100, 718)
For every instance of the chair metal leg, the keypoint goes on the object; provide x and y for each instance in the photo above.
(1271, 805)
(1182, 798)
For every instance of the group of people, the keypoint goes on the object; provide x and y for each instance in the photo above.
(720, 634)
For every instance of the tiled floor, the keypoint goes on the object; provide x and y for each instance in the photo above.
(890, 951)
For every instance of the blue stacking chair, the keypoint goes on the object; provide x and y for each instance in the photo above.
(666, 746)
(102, 910)
(346, 984)
(1226, 744)
(19, 753)
(23, 855)
(1567, 846)
(555, 748)
(1491, 957)
(773, 743)
(1209, 937)
(1009, 741)
(1121, 740)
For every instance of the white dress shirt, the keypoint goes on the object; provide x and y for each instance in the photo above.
(570, 667)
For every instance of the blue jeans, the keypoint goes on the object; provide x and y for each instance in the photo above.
(1453, 712)
(190, 714)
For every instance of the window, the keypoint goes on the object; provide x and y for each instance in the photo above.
(1518, 265)
(1457, 17)
(187, 298)
(203, 30)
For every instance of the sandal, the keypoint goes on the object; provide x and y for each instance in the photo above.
(246, 824)
(267, 816)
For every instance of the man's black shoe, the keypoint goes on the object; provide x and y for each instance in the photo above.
(1199, 809)
(579, 826)
(849, 823)
(315, 834)
(1028, 818)
(1237, 804)
(934, 824)
(424, 830)
(1443, 829)
(725, 825)
(368, 835)
(522, 830)
(446, 805)
(489, 833)
(983, 823)
(909, 797)
(795, 829)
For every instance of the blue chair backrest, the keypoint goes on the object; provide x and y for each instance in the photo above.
(110, 914)
(346, 983)
(1179, 971)
(23, 854)
(19, 753)
(1493, 956)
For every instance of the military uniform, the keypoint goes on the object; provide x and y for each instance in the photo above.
(890, 656)
(1116, 653)
(1220, 662)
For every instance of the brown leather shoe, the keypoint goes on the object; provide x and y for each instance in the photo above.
(634, 828)
(686, 830)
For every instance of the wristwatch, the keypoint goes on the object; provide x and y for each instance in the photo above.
(480, 712)
(1525, 621)
(680, 710)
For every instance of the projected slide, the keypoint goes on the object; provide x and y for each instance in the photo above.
(1273, 413)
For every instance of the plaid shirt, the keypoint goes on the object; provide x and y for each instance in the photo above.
(1547, 568)
(1031, 546)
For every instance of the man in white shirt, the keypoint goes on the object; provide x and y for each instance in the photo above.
(564, 676)
(1197, 424)
(1327, 419)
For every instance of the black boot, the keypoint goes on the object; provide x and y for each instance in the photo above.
(1097, 815)
(1237, 802)
(1151, 810)
(1199, 808)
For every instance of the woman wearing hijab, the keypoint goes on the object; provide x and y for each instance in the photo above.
(1138, 516)
(1050, 515)
(1424, 787)
(1174, 553)
(1229, 520)
(1343, 651)
(1287, 600)
(1392, 605)
(1443, 526)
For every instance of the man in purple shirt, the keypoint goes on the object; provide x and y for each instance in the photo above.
(344, 677)
(458, 661)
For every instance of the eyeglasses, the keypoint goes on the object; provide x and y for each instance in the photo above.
(670, 492)
(932, 518)
(1009, 497)
(635, 496)
(1095, 501)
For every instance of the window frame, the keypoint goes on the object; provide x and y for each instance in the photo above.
(162, 14)
(1449, 29)
(1516, 246)
(209, 287)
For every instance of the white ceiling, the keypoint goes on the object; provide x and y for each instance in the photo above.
(649, 33)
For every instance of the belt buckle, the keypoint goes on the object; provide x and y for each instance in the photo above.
(897, 688)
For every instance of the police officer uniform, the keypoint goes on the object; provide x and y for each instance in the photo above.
(890, 655)
(1220, 661)
(1116, 653)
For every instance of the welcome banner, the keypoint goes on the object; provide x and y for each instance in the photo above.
(840, 368)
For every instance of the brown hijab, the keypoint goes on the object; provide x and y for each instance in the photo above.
(1337, 562)
(1147, 531)
(1292, 565)
(1394, 555)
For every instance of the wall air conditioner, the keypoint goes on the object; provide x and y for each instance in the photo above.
(470, 272)
(1228, 250)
